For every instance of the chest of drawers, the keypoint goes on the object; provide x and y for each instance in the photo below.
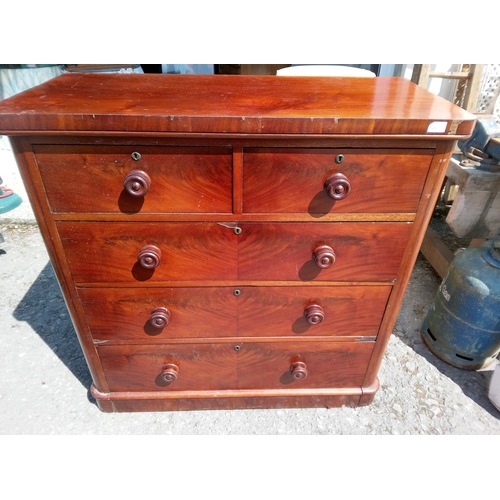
(229, 241)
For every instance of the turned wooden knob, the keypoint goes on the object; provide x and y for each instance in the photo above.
(324, 256)
(137, 183)
(314, 314)
(160, 317)
(170, 373)
(338, 186)
(299, 370)
(149, 257)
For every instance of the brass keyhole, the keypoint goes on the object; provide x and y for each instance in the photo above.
(237, 347)
(136, 156)
(238, 230)
(237, 292)
(339, 158)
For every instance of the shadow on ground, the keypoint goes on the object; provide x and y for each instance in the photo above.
(44, 309)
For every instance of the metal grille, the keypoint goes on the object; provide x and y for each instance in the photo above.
(488, 101)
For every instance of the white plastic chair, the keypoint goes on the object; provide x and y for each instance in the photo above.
(324, 70)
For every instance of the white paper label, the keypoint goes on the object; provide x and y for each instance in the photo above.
(437, 128)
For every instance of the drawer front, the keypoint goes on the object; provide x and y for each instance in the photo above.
(288, 180)
(101, 179)
(105, 251)
(118, 314)
(232, 366)
(294, 251)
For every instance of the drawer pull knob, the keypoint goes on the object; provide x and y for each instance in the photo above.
(314, 314)
(149, 257)
(338, 186)
(137, 183)
(170, 373)
(324, 256)
(160, 317)
(299, 370)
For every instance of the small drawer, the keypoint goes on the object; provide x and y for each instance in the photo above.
(235, 365)
(327, 181)
(148, 252)
(322, 251)
(132, 179)
(163, 314)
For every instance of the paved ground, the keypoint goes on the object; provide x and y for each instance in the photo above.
(44, 388)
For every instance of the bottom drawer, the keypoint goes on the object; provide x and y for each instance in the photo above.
(235, 365)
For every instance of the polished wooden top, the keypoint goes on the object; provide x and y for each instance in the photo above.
(232, 104)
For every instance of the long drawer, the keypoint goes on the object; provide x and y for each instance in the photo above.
(121, 314)
(231, 366)
(107, 179)
(119, 252)
(286, 180)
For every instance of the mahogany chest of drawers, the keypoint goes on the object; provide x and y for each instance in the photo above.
(231, 241)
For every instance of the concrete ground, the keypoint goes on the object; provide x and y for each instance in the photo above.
(44, 388)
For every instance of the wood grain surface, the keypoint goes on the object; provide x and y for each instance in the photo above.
(290, 180)
(118, 314)
(91, 179)
(133, 103)
(284, 251)
(279, 311)
(107, 252)
(101, 252)
(252, 365)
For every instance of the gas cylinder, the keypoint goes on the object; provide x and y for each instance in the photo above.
(462, 326)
